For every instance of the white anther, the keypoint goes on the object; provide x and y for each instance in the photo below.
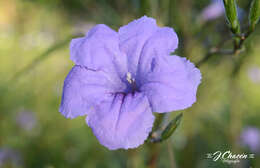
(129, 77)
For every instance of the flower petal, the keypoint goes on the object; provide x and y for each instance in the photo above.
(122, 122)
(99, 50)
(83, 87)
(142, 39)
(163, 42)
(133, 38)
(170, 83)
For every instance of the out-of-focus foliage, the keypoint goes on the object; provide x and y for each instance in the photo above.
(254, 14)
(225, 103)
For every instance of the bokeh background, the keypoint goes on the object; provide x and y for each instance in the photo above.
(34, 61)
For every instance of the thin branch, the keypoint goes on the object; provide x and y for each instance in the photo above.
(212, 52)
(237, 49)
(42, 56)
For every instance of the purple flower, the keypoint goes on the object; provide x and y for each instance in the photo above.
(250, 137)
(121, 78)
(9, 156)
(213, 10)
(254, 74)
(26, 120)
(216, 9)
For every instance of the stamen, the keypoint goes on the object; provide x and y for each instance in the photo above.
(131, 81)
(129, 78)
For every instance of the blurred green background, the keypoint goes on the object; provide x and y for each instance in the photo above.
(34, 61)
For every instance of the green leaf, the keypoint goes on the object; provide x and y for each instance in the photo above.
(254, 14)
(171, 127)
(232, 17)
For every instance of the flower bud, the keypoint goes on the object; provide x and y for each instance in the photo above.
(231, 14)
(254, 14)
(171, 127)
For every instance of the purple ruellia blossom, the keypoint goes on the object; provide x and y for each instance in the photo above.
(213, 10)
(26, 120)
(254, 74)
(120, 78)
(10, 157)
(216, 9)
(250, 137)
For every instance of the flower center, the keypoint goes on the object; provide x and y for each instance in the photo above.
(131, 82)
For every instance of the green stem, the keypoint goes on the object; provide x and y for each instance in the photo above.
(171, 154)
(154, 153)
(235, 116)
(145, 7)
